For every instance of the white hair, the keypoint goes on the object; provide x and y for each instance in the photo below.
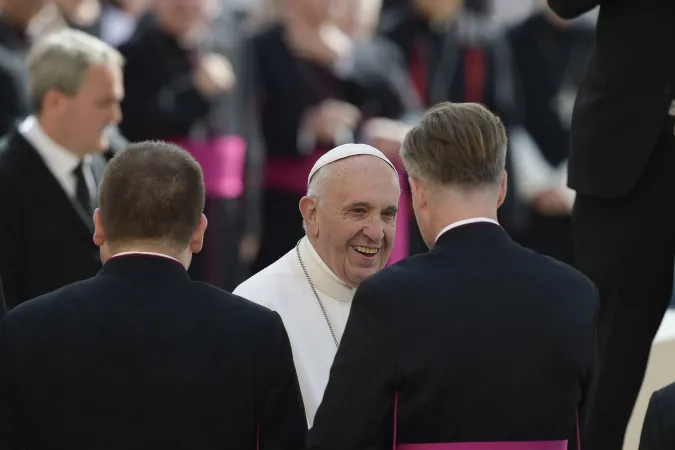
(61, 61)
(316, 187)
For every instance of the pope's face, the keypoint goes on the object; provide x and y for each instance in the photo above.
(356, 218)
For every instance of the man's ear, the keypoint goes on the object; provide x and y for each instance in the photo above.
(99, 234)
(197, 241)
(308, 210)
(502, 190)
(418, 192)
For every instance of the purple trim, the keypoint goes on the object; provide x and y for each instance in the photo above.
(528, 445)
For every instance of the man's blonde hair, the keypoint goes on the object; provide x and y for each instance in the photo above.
(61, 61)
(458, 144)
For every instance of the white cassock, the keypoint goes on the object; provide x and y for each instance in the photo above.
(283, 287)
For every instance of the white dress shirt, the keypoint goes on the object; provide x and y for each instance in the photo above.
(465, 222)
(60, 162)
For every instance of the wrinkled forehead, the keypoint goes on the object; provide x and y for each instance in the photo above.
(363, 179)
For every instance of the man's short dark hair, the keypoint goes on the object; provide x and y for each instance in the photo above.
(461, 144)
(151, 191)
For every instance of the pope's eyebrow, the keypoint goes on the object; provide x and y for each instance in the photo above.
(358, 205)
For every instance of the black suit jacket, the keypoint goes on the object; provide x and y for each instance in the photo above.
(622, 104)
(658, 430)
(45, 238)
(141, 357)
(483, 339)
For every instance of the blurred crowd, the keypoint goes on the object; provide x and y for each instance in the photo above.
(257, 91)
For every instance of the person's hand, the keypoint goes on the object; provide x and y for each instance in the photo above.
(323, 45)
(331, 117)
(249, 246)
(386, 135)
(214, 75)
(552, 202)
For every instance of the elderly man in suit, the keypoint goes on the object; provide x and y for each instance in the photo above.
(141, 356)
(52, 162)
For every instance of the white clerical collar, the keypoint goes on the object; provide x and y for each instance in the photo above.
(323, 278)
(161, 255)
(61, 161)
(464, 222)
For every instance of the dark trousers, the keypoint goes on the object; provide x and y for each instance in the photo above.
(627, 247)
(218, 263)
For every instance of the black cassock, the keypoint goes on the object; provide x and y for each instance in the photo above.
(480, 339)
(162, 102)
(288, 87)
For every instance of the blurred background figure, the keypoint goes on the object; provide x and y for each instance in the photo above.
(51, 164)
(322, 77)
(15, 40)
(190, 80)
(549, 58)
(452, 54)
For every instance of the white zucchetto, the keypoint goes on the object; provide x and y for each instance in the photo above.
(345, 151)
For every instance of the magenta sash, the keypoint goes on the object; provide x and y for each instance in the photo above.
(223, 162)
(401, 248)
(510, 445)
(288, 174)
(503, 445)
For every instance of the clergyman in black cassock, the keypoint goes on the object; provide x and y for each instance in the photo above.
(140, 356)
(165, 101)
(478, 340)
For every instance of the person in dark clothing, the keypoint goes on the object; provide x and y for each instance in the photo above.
(549, 57)
(478, 341)
(52, 162)
(144, 357)
(451, 56)
(15, 16)
(621, 162)
(200, 93)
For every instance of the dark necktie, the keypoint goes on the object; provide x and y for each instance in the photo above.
(81, 189)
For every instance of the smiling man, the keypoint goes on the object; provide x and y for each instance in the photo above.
(349, 215)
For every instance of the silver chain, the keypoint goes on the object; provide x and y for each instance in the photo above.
(323, 310)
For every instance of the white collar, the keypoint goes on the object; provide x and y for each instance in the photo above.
(161, 255)
(323, 278)
(61, 161)
(465, 222)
